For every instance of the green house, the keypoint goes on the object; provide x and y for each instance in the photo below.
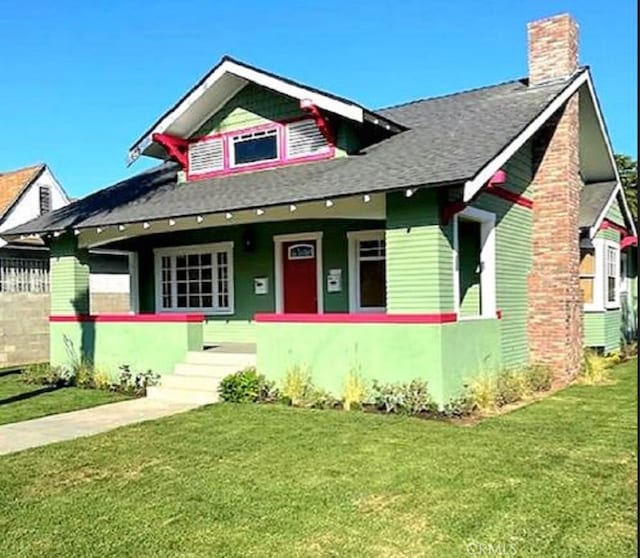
(288, 226)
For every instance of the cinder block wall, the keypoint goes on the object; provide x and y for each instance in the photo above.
(24, 328)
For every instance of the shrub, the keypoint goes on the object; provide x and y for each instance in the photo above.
(483, 393)
(297, 385)
(45, 375)
(134, 384)
(244, 386)
(355, 390)
(538, 377)
(102, 380)
(319, 399)
(594, 369)
(461, 406)
(83, 374)
(512, 386)
(403, 398)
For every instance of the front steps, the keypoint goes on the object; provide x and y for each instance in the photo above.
(196, 379)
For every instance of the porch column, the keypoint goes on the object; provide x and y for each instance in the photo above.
(419, 255)
(69, 268)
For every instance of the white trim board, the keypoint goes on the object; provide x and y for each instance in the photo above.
(472, 187)
(278, 241)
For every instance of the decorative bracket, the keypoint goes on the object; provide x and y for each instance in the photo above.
(175, 146)
(627, 241)
(308, 106)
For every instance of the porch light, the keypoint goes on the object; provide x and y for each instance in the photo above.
(228, 216)
(328, 203)
(260, 212)
(172, 222)
(366, 198)
(292, 208)
(145, 225)
(409, 192)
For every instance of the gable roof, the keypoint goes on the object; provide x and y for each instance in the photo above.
(223, 81)
(14, 183)
(593, 201)
(448, 140)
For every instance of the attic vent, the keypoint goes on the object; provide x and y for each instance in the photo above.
(305, 138)
(205, 156)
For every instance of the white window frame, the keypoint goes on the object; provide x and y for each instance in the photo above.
(278, 241)
(487, 222)
(609, 244)
(232, 139)
(354, 238)
(159, 253)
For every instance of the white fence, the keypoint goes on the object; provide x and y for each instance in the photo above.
(24, 275)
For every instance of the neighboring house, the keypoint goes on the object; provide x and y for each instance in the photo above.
(437, 239)
(24, 268)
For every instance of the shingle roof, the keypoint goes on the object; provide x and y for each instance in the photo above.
(593, 199)
(13, 183)
(450, 139)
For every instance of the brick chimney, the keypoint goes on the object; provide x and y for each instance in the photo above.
(555, 301)
(553, 48)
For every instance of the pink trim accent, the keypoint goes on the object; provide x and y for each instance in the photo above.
(175, 146)
(344, 318)
(607, 224)
(499, 177)
(509, 196)
(128, 318)
(628, 241)
(283, 158)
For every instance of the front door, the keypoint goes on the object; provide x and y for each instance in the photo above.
(300, 282)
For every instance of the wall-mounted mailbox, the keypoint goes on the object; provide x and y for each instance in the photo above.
(334, 281)
(261, 285)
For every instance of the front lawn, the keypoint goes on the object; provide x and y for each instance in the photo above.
(555, 478)
(20, 401)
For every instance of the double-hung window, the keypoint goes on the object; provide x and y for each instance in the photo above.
(367, 273)
(195, 278)
(612, 275)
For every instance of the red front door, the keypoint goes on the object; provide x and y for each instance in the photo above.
(299, 273)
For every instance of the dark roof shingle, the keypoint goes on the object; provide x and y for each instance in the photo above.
(448, 141)
(593, 199)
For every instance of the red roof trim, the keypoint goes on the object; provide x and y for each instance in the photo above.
(129, 318)
(344, 318)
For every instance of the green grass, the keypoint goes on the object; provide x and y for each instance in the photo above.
(37, 402)
(555, 478)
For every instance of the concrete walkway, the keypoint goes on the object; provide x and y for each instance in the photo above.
(86, 422)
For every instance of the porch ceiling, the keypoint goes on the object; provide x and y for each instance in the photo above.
(355, 207)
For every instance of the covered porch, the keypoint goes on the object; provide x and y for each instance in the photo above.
(362, 283)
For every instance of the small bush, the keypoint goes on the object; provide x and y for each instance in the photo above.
(45, 375)
(297, 385)
(355, 391)
(410, 398)
(483, 393)
(512, 386)
(461, 406)
(538, 377)
(83, 375)
(594, 369)
(134, 384)
(244, 386)
(102, 380)
(319, 399)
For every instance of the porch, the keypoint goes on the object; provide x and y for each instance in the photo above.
(363, 284)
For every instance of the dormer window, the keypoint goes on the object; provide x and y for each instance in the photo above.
(254, 147)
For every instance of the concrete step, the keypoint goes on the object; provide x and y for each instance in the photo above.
(239, 360)
(190, 381)
(196, 397)
(218, 371)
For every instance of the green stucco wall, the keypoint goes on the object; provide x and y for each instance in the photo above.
(108, 345)
(383, 352)
(260, 262)
(253, 105)
(69, 268)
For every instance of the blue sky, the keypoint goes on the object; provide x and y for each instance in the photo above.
(82, 80)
